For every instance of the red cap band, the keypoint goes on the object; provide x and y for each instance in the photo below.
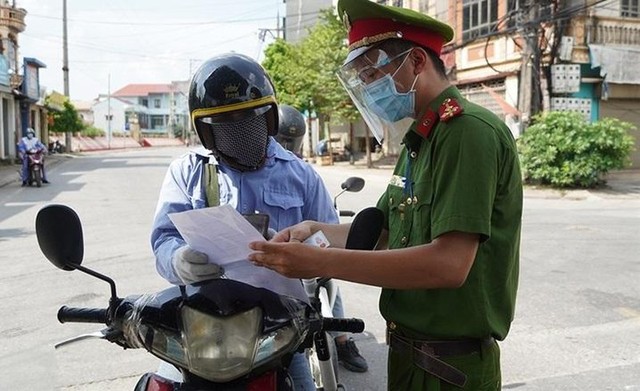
(365, 32)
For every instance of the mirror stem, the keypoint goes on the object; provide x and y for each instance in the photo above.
(111, 283)
(335, 205)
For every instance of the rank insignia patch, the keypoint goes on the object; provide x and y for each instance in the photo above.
(448, 109)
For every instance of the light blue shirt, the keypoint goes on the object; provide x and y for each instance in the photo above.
(286, 188)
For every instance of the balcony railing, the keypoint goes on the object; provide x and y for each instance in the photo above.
(614, 32)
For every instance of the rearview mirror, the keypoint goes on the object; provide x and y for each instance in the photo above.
(59, 233)
(353, 184)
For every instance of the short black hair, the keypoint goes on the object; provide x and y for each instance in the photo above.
(394, 47)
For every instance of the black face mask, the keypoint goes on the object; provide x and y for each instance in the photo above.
(241, 144)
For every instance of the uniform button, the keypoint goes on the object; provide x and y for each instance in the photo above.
(392, 326)
(409, 201)
(413, 154)
(403, 240)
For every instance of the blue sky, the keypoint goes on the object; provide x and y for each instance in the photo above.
(139, 41)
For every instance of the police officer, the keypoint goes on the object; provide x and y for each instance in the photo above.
(452, 209)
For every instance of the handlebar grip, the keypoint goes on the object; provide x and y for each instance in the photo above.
(82, 315)
(347, 325)
(347, 213)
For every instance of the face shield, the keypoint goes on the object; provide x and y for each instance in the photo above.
(382, 101)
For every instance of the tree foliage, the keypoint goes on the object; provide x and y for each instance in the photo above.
(66, 120)
(305, 74)
(563, 150)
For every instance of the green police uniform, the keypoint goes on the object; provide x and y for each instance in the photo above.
(459, 171)
(466, 177)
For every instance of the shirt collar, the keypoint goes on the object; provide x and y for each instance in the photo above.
(429, 116)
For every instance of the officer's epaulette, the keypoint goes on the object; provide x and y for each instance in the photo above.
(450, 108)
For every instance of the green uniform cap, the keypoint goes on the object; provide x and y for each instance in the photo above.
(369, 23)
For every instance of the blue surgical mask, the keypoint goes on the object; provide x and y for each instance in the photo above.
(383, 98)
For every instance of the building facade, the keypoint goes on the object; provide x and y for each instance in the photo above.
(161, 108)
(11, 25)
(520, 57)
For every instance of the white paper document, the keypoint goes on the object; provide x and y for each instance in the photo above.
(220, 232)
(224, 235)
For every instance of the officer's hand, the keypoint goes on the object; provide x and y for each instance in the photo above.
(192, 266)
(295, 233)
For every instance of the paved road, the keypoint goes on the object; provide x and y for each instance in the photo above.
(577, 325)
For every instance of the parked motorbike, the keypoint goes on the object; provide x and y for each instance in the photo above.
(322, 356)
(35, 161)
(56, 147)
(222, 334)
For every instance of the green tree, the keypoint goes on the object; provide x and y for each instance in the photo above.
(304, 74)
(291, 79)
(322, 53)
(66, 120)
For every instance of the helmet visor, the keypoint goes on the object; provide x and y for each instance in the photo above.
(360, 73)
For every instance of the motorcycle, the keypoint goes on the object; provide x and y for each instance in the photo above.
(35, 162)
(55, 147)
(322, 292)
(222, 334)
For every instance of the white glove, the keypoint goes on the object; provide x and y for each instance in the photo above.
(192, 266)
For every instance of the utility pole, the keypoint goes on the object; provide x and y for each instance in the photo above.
(65, 67)
(528, 96)
(109, 116)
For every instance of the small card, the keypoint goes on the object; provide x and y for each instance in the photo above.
(318, 240)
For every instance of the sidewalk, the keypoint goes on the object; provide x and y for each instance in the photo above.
(624, 184)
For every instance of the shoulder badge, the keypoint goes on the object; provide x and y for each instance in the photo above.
(448, 109)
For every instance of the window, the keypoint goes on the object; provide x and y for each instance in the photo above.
(156, 103)
(517, 11)
(398, 3)
(157, 122)
(144, 102)
(478, 17)
(630, 8)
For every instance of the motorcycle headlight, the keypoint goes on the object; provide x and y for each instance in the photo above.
(222, 349)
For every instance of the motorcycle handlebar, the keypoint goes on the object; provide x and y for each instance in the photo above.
(82, 315)
(347, 213)
(347, 325)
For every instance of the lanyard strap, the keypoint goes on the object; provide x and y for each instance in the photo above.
(212, 189)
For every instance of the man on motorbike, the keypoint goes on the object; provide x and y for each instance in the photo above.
(27, 144)
(235, 114)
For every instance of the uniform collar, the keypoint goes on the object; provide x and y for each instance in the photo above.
(437, 111)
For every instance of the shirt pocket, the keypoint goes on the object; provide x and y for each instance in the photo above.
(285, 209)
(421, 232)
(399, 219)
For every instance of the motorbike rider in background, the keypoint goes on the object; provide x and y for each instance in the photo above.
(235, 114)
(26, 144)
